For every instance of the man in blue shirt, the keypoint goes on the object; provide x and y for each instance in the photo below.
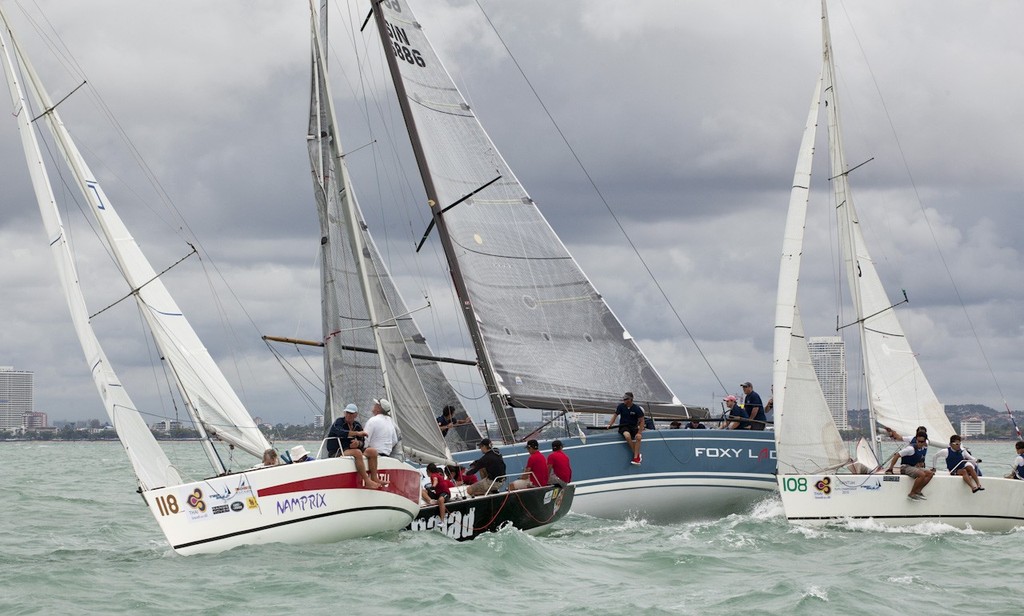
(753, 406)
(631, 424)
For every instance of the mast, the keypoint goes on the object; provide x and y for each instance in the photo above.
(844, 209)
(494, 395)
(93, 194)
(325, 111)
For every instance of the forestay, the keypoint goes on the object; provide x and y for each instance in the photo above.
(550, 336)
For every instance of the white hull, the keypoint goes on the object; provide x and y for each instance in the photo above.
(807, 499)
(671, 497)
(311, 502)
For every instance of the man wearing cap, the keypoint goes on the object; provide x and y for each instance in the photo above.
(734, 415)
(347, 431)
(753, 406)
(559, 466)
(491, 467)
(536, 472)
(631, 425)
(381, 434)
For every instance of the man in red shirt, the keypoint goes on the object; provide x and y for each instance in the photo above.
(558, 464)
(536, 472)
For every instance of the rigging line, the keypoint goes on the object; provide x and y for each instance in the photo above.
(600, 195)
(928, 223)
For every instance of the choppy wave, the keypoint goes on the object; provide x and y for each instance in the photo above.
(76, 538)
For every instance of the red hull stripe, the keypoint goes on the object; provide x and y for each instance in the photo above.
(403, 483)
(328, 482)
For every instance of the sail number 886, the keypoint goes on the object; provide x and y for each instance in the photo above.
(411, 56)
(794, 484)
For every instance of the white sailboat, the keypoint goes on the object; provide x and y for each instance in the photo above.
(814, 478)
(543, 336)
(318, 501)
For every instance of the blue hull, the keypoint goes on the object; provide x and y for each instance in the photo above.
(685, 475)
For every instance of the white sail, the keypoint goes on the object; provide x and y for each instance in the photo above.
(899, 394)
(206, 391)
(152, 468)
(806, 436)
(550, 338)
(362, 308)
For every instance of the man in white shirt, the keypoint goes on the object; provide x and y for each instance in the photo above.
(381, 435)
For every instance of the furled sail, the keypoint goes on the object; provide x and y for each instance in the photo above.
(205, 389)
(371, 340)
(899, 395)
(550, 337)
(806, 436)
(152, 468)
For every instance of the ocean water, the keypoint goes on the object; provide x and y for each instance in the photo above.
(75, 538)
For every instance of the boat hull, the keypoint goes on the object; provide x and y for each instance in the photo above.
(321, 501)
(685, 474)
(533, 511)
(823, 499)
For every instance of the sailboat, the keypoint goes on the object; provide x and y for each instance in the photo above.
(375, 349)
(308, 502)
(814, 477)
(543, 336)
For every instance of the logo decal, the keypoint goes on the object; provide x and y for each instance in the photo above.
(824, 485)
(195, 500)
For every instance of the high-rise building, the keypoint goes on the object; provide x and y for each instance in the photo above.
(828, 356)
(15, 396)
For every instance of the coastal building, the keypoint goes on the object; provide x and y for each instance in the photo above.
(34, 420)
(972, 426)
(166, 425)
(318, 422)
(828, 356)
(16, 388)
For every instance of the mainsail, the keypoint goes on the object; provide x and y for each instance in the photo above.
(548, 336)
(152, 468)
(371, 341)
(207, 394)
(899, 396)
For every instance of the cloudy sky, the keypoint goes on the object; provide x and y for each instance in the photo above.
(686, 114)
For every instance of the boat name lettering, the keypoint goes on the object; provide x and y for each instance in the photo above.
(400, 41)
(794, 484)
(385, 478)
(456, 524)
(721, 452)
(302, 503)
(168, 505)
